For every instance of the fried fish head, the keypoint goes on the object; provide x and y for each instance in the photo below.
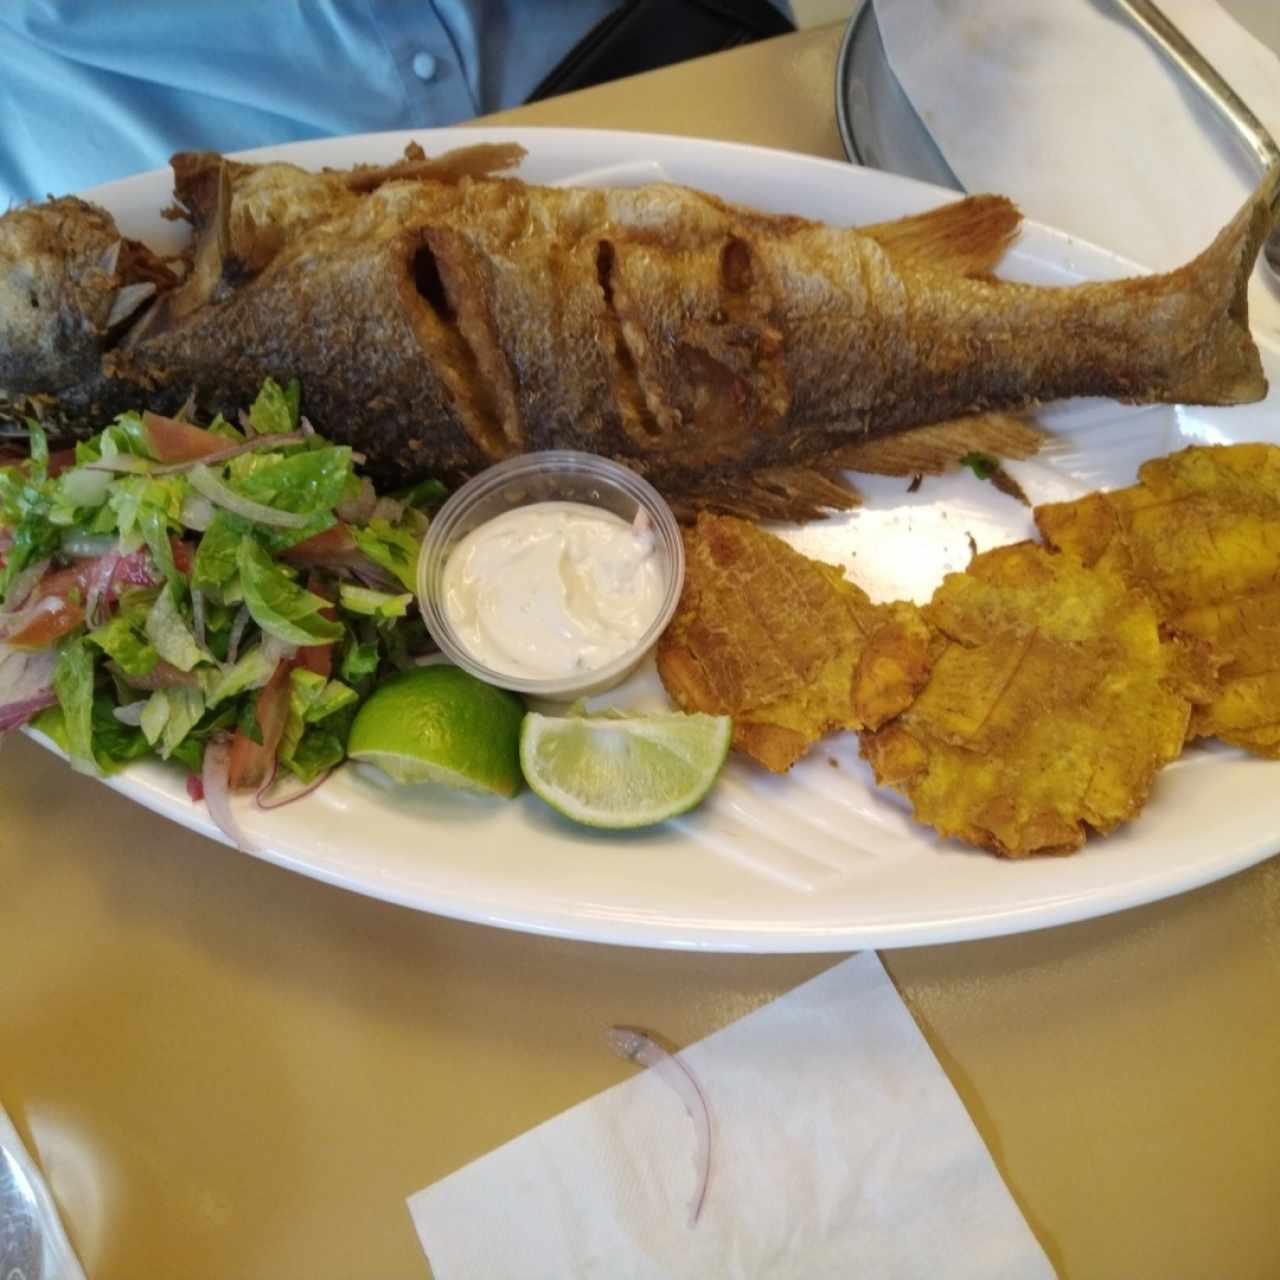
(1054, 701)
(1200, 532)
(785, 645)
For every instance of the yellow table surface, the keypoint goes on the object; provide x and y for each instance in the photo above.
(227, 1070)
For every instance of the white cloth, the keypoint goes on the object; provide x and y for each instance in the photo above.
(839, 1149)
(1065, 106)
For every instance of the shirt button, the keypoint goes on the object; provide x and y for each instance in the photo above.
(424, 66)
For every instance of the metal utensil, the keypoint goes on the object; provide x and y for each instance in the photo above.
(1218, 93)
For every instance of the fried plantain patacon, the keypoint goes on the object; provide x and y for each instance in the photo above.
(1054, 701)
(785, 645)
(1201, 533)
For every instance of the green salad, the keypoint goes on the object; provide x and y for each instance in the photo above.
(222, 596)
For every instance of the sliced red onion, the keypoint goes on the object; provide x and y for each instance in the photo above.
(14, 715)
(80, 487)
(197, 616)
(197, 512)
(204, 481)
(88, 546)
(636, 1046)
(433, 660)
(26, 684)
(372, 574)
(125, 463)
(237, 634)
(217, 793)
(99, 584)
(287, 792)
(304, 425)
(195, 788)
(233, 450)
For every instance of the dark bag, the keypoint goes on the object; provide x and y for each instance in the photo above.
(644, 34)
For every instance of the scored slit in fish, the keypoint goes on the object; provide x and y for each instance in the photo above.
(735, 358)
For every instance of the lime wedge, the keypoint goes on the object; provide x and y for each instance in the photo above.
(625, 772)
(439, 724)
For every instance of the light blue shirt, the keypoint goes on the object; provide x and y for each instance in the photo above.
(92, 90)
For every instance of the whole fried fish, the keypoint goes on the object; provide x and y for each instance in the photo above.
(440, 326)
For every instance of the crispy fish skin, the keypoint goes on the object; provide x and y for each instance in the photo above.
(784, 644)
(1053, 703)
(443, 326)
(1200, 532)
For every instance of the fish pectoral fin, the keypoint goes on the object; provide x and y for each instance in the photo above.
(769, 493)
(967, 237)
(931, 449)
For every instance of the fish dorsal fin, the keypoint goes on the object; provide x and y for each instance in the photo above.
(968, 237)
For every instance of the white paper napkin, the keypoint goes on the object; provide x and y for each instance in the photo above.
(1066, 107)
(839, 1150)
(48, 1256)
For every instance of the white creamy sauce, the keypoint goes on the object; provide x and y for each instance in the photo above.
(553, 589)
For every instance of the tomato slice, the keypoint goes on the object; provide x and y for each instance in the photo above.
(60, 460)
(252, 762)
(49, 625)
(174, 441)
(69, 587)
(319, 657)
(333, 548)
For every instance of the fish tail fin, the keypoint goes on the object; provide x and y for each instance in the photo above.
(1228, 369)
(967, 237)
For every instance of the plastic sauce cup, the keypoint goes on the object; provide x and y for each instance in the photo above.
(556, 475)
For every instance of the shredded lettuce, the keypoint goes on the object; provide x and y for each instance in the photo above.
(38, 443)
(216, 556)
(171, 634)
(305, 481)
(171, 714)
(315, 731)
(360, 661)
(278, 605)
(124, 639)
(250, 671)
(393, 547)
(277, 409)
(25, 507)
(73, 685)
(373, 604)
